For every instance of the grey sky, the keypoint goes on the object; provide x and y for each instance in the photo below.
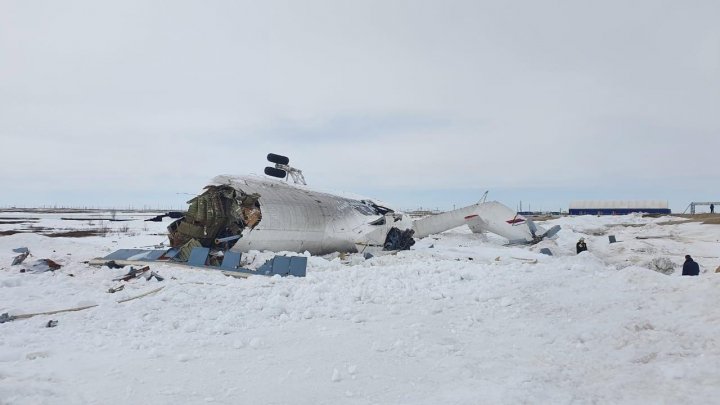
(418, 103)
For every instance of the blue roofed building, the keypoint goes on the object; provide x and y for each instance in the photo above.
(618, 207)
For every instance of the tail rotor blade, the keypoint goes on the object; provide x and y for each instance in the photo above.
(551, 232)
(531, 225)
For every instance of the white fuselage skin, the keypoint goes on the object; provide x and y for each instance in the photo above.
(298, 219)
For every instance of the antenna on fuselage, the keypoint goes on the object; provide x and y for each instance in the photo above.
(282, 170)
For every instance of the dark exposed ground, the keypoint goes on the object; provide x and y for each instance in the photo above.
(708, 219)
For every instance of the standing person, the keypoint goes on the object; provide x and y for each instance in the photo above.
(712, 208)
(690, 268)
(581, 246)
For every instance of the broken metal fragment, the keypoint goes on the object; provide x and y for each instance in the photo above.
(116, 289)
(112, 265)
(217, 213)
(153, 274)
(51, 264)
(20, 258)
(399, 240)
(133, 273)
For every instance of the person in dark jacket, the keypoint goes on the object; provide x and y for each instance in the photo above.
(712, 208)
(690, 268)
(581, 246)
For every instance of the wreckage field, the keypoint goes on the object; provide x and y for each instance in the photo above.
(459, 318)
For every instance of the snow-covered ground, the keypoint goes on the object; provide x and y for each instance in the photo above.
(460, 319)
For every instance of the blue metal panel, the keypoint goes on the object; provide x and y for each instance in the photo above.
(231, 260)
(546, 251)
(281, 265)
(124, 254)
(149, 255)
(198, 256)
(172, 253)
(298, 266)
(135, 254)
(266, 268)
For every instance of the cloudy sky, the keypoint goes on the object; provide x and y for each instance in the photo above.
(418, 103)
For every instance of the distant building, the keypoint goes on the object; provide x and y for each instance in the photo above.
(618, 207)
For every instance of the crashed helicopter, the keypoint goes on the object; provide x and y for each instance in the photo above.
(243, 213)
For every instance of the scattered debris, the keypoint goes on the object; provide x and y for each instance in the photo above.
(399, 240)
(7, 317)
(612, 239)
(546, 251)
(133, 273)
(20, 258)
(113, 290)
(51, 324)
(171, 214)
(228, 262)
(51, 264)
(111, 264)
(141, 295)
(153, 274)
(42, 265)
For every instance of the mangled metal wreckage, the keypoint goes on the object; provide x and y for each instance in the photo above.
(236, 214)
(254, 213)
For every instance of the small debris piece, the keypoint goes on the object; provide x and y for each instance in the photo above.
(111, 264)
(612, 239)
(116, 289)
(157, 276)
(20, 258)
(141, 295)
(133, 273)
(51, 324)
(26, 316)
(41, 266)
(6, 318)
(546, 251)
(21, 250)
(52, 265)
